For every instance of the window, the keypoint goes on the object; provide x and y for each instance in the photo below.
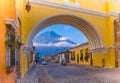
(73, 56)
(86, 54)
(7, 56)
(10, 46)
(77, 58)
(81, 55)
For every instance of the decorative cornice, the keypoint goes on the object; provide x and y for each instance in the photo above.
(84, 45)
(74, 8)
(113, 14)
(102, 50)
(70, 7)
(11, 22)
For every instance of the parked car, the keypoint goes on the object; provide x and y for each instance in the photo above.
(44, 62)
(56, 61)
(63, 63)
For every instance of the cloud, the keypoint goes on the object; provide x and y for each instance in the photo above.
(63, 38)
(67, 27)
(59, 44)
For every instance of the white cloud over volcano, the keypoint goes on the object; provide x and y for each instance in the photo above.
(58, 44)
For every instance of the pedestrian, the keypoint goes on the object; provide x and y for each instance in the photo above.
(36, 59)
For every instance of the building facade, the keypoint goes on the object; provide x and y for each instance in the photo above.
(95, 19)
(9, 41)
(81, 54)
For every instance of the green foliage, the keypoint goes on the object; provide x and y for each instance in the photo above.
(10, 33)
(8, 42)
(17, 44)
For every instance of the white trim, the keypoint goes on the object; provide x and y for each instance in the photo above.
(11, 22)
(102, 50)
(113, 14)
(66, 2)
(74, 8)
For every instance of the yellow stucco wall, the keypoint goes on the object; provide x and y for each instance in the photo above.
(32, 18)
(103, 24)
(115, 6)
(7, 11)
(38, 13)
(84, 4)
(109, 59)
(56, 1)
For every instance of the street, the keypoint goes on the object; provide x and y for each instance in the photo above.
(55, 73)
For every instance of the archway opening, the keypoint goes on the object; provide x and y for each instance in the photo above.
(57, 38)
(85, 27)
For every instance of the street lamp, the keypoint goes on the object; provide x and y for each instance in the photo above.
(28, 6)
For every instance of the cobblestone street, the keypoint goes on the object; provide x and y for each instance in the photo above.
(35, 75)
(54, 73)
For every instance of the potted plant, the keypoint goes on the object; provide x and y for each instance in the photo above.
(8, 42)
(9, 69)
(17, 44)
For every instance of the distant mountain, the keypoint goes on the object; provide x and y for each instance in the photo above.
(49, 43)
(48, 51)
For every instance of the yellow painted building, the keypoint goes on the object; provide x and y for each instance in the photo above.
(95, 19)
(80, 54)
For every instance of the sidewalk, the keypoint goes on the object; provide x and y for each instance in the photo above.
(35, 75)
(30, 77)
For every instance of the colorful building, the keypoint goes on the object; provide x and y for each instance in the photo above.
(95, 19)
(81, 54)
(9, 41)
(65, 55)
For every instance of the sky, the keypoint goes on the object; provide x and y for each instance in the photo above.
(66, 31)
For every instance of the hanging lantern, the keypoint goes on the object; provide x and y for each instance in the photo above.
(28, 6)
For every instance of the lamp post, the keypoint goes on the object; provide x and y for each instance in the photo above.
(28, 6)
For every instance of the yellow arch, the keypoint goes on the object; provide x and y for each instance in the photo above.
(95, 22)
(88, 29)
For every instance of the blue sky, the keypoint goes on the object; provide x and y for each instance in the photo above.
(67, 31)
